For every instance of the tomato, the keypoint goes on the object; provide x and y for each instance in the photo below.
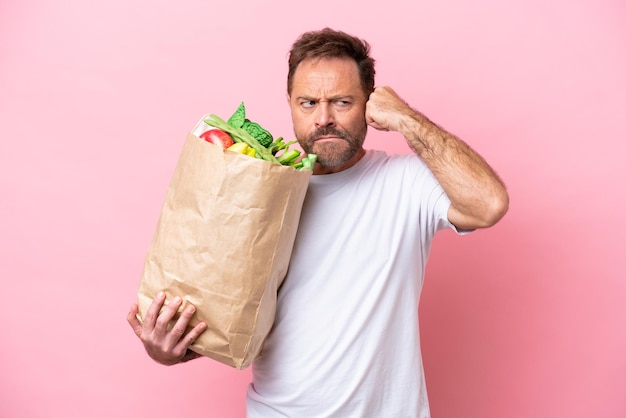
(218, 137)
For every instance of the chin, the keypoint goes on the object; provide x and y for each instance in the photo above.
(335, 159)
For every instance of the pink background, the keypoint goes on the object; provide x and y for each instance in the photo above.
(527, 319)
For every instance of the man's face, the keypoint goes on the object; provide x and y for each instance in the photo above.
(328, 111)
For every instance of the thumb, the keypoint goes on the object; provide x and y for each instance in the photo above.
(133, 320)
(371, 122)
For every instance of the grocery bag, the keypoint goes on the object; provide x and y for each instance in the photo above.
(223, 243)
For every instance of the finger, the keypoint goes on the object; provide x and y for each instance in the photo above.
(133, 321)
(193, 335)
(377, 126)
(163, 320)
(371, 122)
(178, 330)
(179, 337)
(152, 313)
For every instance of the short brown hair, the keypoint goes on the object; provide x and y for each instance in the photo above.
(329, 43)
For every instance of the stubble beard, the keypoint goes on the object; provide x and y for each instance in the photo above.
(336, 153)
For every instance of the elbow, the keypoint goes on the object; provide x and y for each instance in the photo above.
(497, 207)
(483, 213)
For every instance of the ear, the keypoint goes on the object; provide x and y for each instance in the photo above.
(288, 97)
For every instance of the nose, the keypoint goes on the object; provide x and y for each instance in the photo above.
(324, 115)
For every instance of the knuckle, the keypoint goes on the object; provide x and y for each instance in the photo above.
(178, 331)
(162, 322)
(146, 340)
(189, 311)
(193, 335)
(150, 315)
(138, 330)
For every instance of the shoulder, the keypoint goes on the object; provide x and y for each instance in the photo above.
(405, 165)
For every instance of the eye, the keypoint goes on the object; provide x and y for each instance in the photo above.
(307, 104)
(342, 104)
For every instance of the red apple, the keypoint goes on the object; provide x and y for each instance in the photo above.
(218, 137)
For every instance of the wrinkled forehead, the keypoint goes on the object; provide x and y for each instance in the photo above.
(326, 76)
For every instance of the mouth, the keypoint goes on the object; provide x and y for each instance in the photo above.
(328, 138)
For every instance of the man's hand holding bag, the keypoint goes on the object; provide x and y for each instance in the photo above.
(225, 235)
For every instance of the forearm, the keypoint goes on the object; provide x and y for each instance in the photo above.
(478, 196)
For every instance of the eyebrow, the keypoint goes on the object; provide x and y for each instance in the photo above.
(330, 99)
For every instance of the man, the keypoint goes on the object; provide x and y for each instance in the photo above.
(345, 342)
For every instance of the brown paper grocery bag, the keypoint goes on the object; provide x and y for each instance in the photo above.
(223, 243)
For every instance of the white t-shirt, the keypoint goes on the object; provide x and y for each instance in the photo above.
(346, 341)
